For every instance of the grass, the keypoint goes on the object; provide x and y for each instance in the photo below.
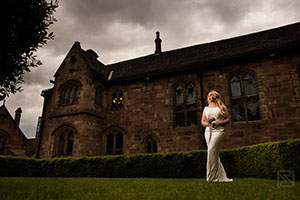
(143, 188)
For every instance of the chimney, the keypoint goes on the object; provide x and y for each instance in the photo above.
(93, 53)
(18, 115)
(157, 43)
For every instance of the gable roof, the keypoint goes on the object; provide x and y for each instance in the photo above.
(203, 55)
(4, 111)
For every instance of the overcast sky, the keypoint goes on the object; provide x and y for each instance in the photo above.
(123, 29)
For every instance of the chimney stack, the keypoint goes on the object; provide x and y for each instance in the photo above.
(93, 53)
(18, 115)
(157, 43)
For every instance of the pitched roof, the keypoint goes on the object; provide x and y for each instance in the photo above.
(202, 55)
(93, 63)
(4, 111)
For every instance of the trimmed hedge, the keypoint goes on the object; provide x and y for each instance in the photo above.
(260, 161)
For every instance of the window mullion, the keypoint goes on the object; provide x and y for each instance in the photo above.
(242, 86)
(114, 144)
(152, 145)
(65, 144)
(74, 95)
(244, 97)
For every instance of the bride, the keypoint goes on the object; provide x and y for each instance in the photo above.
(214, 118)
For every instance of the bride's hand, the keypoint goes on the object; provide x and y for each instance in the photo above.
(211, 120)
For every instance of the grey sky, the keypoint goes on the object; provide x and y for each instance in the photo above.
(123, 29)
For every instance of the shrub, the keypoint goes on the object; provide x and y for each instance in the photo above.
(259, 161)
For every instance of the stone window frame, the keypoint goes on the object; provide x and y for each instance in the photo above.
(153, 141)
(114, 131)
(70, 133)
(117, 100)
(4, 141)
(102, 99)
(185, 105)
(244, 71)
(70, 87)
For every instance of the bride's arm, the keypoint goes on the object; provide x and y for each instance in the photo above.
(225, 120)
(204, 121)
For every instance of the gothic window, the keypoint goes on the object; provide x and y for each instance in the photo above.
(3, 141)
(99, 96)
(151, 146)
(117, 99)
(64, 141)
(244, 96)
(185, 105)
(70, 92)
(114, 142)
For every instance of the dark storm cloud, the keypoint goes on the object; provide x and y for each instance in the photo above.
(124, 29)
(229, 12)
(95, 15)
(120, 24)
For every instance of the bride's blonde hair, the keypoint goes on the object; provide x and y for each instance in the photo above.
(216, 98)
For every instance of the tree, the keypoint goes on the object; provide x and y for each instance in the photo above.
(24, 28)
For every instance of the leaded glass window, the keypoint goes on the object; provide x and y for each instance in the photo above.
(244, 97)
(151, 146)
(110, 144)
(185, 105)
(65, 142)
(70, 93)
(114, 142)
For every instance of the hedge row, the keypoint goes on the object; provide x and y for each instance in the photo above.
(261, 161)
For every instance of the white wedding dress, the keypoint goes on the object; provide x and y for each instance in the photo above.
(214, 137)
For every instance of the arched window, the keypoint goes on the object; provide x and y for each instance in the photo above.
(244, 96)
(117, 99)
(185, 105)
(3, 142)
(114, 141)
(151, 146)
(99, 96)
(150, 143)
(70, 92)
(64, 140)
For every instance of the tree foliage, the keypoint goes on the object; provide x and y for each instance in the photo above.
(24, 28)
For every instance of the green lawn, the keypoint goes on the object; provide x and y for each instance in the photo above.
(143, 188)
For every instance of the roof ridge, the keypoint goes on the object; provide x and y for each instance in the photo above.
(208, 43)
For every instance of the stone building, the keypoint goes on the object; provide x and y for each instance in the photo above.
(154, 103)
(12, 139)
